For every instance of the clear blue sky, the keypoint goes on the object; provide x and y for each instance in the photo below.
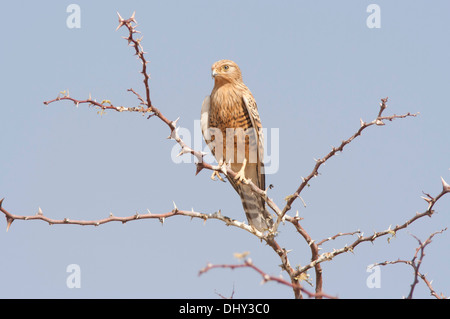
(315, 69)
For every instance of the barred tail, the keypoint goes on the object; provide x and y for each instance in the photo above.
(255, 208)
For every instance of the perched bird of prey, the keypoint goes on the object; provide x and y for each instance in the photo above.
(232, 129)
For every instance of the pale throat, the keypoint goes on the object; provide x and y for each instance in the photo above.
(225, 97)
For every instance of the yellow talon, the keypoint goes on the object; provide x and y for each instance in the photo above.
(216, 173)
(240, 176)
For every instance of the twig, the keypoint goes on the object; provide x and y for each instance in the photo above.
(265, 277)
(111, 218)
(314, 254)
(315, 172)
(223, 297)
(315, 257)
(338, 235)
(429, 212)
(415, 263)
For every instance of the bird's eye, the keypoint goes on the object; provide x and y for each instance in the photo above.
(226, 67)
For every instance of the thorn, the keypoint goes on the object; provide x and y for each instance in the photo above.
(362, 122)
(379, 122)
(428, 200)
(139, 41)
(9, 221)
(445, 186)
(121, 21)
(111, 214)
(132, 17)
(183, 151)
(199, 168)
(40, 213)
(175, 208)
(174, 123)
(304, 204)
(149, 212)
(161, 220)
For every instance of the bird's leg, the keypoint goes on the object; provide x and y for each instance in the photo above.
(240, 176)
(216, 173)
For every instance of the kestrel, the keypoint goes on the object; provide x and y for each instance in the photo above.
(232, 129)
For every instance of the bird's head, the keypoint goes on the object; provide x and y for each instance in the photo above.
(224, 71)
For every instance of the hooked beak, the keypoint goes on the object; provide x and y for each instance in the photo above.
(213, 73)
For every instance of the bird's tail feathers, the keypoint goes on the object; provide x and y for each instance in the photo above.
(255, 208)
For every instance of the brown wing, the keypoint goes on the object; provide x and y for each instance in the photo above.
(252, 110)
(254, 205)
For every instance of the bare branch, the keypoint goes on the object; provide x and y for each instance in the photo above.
(330, 255)
(338, 235)
(415, 263)
(319, 162)
(314, 254)
(111, 218)
(265, 277)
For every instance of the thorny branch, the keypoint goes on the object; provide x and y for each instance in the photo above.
(415, 263)
(111, 218)
(265, 277)
(146, 107)
(336, 236)
(319, 162)
(330, 255)
(315, 257)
